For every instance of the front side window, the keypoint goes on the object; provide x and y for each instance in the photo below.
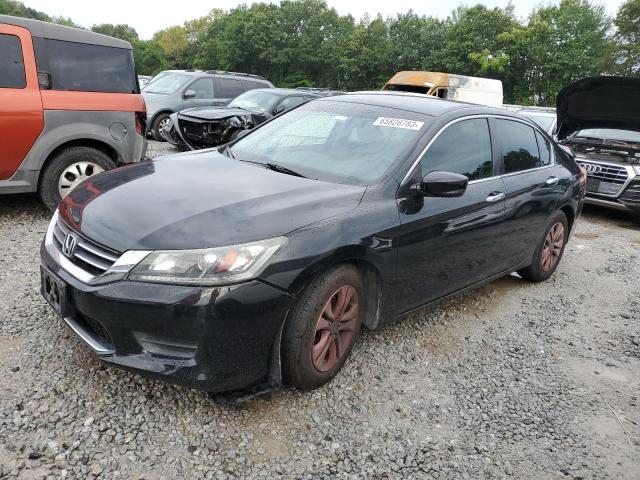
(338, 142)
(229, 87)
(90, 68)
(464, 148)
(255, 101)
(11, 62)
(291, 102)
(203, 88)
(519, 146)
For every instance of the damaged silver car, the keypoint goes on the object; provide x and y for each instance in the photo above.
(205, 127)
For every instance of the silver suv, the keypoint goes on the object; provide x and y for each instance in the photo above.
(177, 90)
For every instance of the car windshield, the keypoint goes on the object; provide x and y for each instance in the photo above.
(338, 142)
(544, 121)
(255, 101)
(167, 84)
(610, 134)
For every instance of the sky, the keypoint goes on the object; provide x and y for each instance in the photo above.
(147, 17)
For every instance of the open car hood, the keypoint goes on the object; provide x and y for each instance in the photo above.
(599, 102)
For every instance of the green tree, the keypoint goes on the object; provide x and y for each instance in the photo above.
(417, 43)
(121, 31)
(628, 37)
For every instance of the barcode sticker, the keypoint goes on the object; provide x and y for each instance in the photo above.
(398, 123)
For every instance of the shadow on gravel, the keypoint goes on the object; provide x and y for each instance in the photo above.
(17, 204)
(603, 215)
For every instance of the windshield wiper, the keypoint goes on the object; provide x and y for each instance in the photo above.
(281, 169)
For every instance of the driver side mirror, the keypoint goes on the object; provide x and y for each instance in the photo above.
(441, 184)
(189, 94)
(279, 109)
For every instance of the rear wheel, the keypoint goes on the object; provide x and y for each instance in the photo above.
(549, 251)
(161, 123)
(323, 327)
(68, 169)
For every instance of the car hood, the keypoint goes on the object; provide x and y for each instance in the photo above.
(198, 200)
(212, 113)
(599, 102)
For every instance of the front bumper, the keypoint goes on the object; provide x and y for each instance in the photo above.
(217, 339)
(628, 200)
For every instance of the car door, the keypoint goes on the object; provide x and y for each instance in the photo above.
(446, 244)
(202, 91)
(21, 117)
(532, 183)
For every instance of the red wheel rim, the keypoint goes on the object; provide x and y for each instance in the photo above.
(552, 247)
(335, 328)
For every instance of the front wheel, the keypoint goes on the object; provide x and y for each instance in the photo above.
(68, 169)
(549, 251)
(161, 123)
(322, 327)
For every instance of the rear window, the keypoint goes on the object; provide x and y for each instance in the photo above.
(88, 68)
(11, 62)
(519, 146)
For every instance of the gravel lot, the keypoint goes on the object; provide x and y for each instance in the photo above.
(512, 381)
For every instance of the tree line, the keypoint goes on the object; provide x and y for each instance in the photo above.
(307, 43)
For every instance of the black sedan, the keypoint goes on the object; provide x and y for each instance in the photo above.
(205, 127)
(257, 265)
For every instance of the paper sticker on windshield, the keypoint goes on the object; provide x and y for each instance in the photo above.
(398, 123)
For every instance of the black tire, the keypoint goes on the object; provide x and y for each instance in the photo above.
(51, 174)
(155, 127)
(299, 337)
(536, 271)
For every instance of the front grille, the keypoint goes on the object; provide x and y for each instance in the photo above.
(201, 133)
(608, 181)
(88, 255)
(631, 196)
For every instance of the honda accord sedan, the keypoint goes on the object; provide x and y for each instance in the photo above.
(256, 265)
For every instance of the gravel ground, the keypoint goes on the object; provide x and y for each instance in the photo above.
(511, 381)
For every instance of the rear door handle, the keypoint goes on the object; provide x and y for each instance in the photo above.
(495, 197)
(552, 181)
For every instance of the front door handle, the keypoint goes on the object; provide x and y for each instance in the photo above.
(495, 197)
(552, 181)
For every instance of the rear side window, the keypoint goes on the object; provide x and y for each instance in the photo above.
(519, 146)
(545, 149)
(89, 68)
(250, 85)
(229, 87)
(465, 148)
(11, 62)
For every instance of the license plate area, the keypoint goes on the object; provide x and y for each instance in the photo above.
(54, 291)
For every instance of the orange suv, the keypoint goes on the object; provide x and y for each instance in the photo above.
(70, 107)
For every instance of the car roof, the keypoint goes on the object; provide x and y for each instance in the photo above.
(417, 103)
(283, 92)
(53, 31)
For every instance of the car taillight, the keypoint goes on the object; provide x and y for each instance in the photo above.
(141, 122)
(583, 175)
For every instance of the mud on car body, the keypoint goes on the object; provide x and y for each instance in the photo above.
(599, 118)
(70, 107)
(256, 264)
(196, 128)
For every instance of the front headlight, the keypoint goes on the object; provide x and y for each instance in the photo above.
(211, 266)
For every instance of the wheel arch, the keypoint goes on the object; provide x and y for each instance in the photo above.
(570, 214)
(349, 255)
(79, 142)
(155, 115)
